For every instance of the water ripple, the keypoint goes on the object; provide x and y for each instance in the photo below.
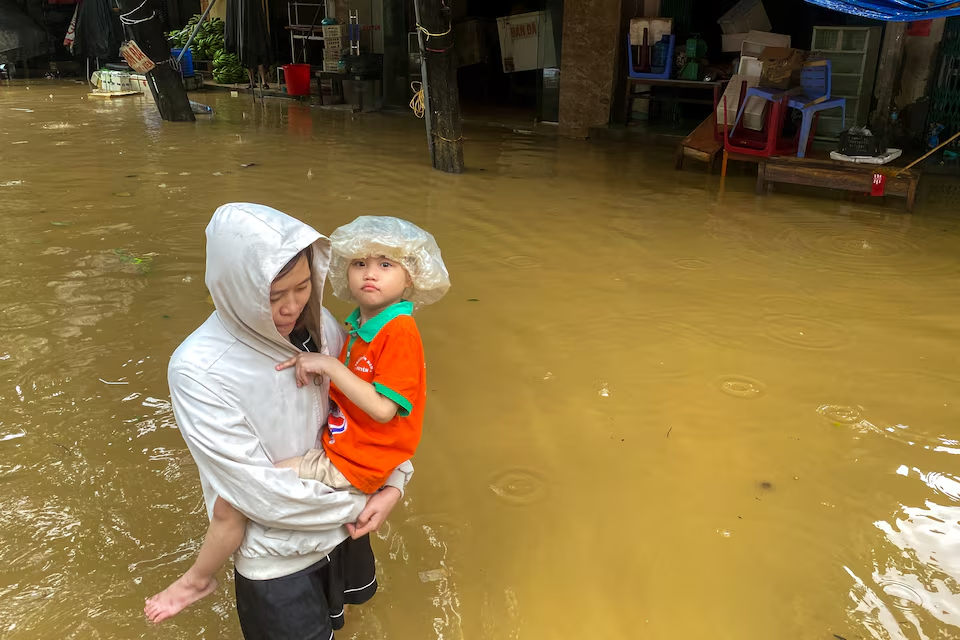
(519, 486)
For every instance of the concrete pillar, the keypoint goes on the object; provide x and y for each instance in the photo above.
(888, 72)
(591, 30)
(920, 53)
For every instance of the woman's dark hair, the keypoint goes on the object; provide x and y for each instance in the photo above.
(287, 268)
(309, 315)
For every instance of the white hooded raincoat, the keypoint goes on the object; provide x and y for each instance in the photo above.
(238, 415)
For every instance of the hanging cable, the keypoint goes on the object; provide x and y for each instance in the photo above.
(127, 20)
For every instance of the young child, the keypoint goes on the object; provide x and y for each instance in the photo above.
(388, 267)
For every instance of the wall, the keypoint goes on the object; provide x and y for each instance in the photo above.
(591, 30)
(919, 64)
(219, 9)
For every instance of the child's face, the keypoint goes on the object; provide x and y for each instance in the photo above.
(376, 282)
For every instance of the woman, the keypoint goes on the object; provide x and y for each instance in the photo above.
(298, 563)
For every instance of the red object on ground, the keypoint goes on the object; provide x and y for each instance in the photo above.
(879, 184)
(297, 77)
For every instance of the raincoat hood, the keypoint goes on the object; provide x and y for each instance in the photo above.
(247, 246)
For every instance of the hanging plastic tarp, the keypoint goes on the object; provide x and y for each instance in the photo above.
(893, 10)
(246, 33)
(20, 37)
(98, 30)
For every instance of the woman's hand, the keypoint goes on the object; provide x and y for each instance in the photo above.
(379, 506)
(309, 365)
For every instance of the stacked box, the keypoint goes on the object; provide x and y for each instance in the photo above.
(336, 31)
(745, 19)
(335, 40)
(747, 15)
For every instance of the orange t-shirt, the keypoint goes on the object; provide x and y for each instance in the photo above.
(387, 352)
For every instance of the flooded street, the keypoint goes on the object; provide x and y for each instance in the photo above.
(653, 414)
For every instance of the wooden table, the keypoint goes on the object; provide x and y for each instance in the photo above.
(833, 174)
(716, 87)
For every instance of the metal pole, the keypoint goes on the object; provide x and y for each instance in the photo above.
(196, 29)
(427, 113)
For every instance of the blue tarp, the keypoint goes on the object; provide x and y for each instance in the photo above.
(893, 10)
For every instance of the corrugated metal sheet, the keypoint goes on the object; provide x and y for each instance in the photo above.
(893, 10)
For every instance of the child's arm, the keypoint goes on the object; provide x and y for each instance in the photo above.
(361, 393)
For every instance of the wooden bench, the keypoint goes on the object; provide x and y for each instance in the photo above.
(833, 174)
(700, 145)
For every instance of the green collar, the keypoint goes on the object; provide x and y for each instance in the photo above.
(372, 327)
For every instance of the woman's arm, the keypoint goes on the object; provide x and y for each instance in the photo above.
(375, 513)
(231, 459)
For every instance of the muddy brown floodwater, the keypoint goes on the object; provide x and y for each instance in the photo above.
(653, 414)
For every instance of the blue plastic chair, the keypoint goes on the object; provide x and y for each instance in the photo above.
(668, 70)
(812, 97)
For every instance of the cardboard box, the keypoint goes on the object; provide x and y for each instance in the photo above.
(115, 81)
(750, 67)
(756, 41)
(782, 67)
(526, 41)
(138, 82)
(732, 41)
(732, 97)
(656, 29)
(746, 16)
(752, 43)
(753, 113)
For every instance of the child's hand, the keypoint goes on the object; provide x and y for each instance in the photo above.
(309, 365)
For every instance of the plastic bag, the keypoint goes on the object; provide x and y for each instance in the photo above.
(397, 240)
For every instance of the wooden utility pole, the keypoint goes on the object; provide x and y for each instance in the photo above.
(142, 24)
(440, 93)
(888, 72)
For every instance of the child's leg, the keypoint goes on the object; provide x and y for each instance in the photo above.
(315, 465)
(223, 538)
(290, 463)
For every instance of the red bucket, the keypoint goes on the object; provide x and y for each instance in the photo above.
(298, 79)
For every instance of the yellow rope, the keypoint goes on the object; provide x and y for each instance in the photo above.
(434, 35)
(416, 102)
(447, 139)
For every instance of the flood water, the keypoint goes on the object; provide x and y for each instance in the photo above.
(654, 413)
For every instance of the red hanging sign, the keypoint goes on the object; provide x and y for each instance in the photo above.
(879, 185)
(136, 58)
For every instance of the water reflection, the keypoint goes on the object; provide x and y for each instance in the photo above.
(914, 588)
(652, 413)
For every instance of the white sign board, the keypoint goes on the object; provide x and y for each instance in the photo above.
(526, 41)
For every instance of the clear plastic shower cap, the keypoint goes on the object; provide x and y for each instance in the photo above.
(392, 238)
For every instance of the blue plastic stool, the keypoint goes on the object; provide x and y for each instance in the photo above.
(668, 70)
